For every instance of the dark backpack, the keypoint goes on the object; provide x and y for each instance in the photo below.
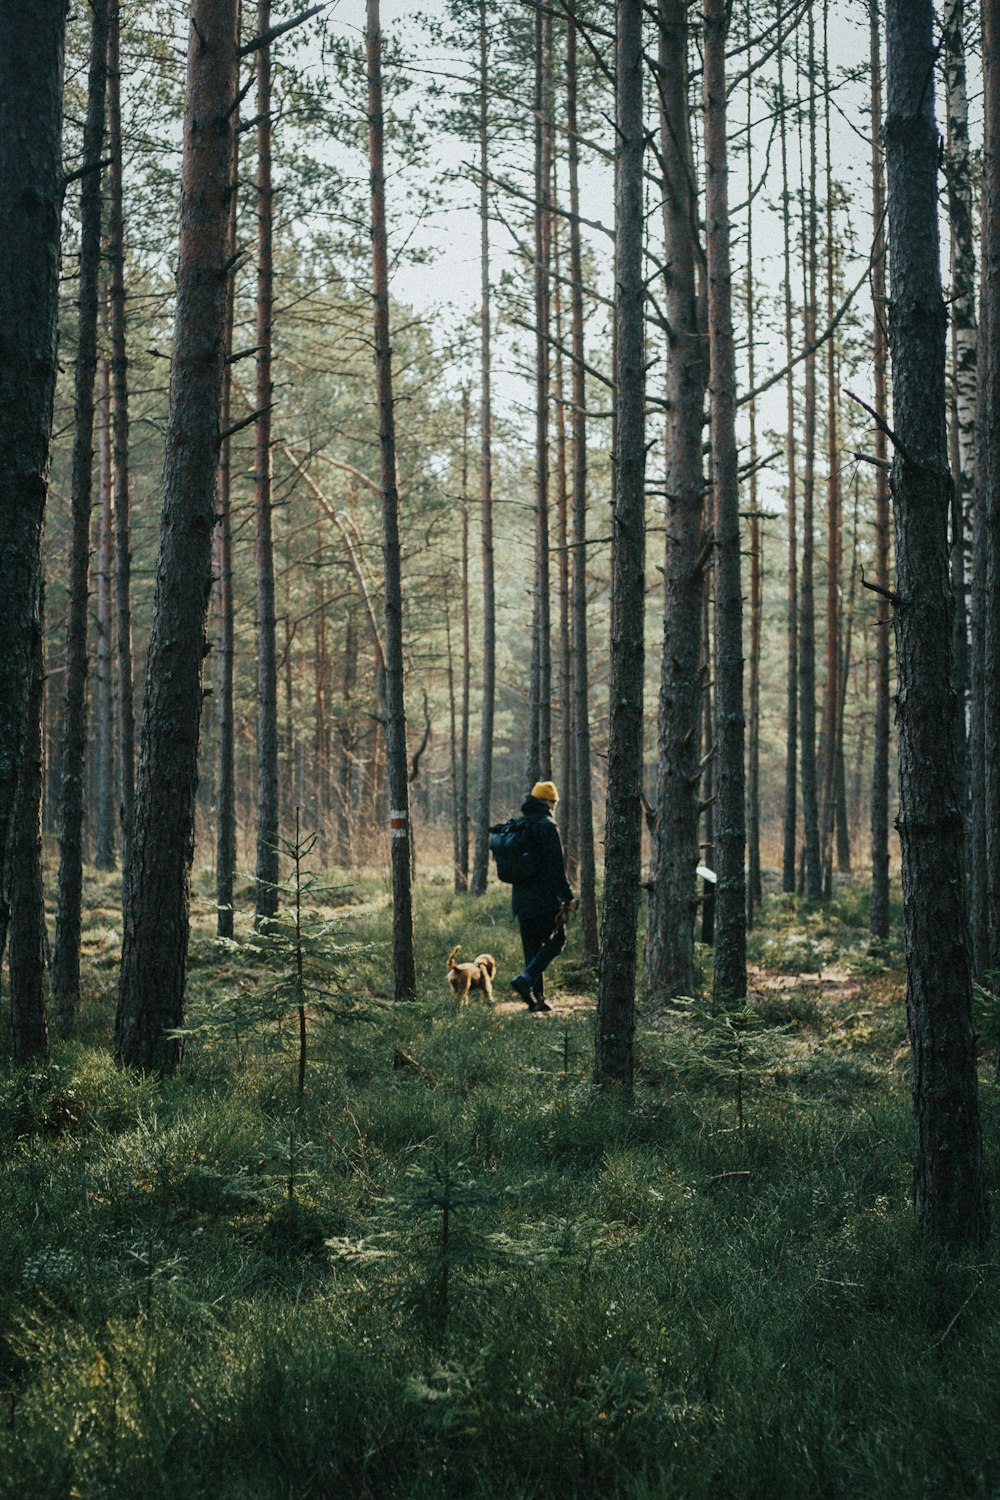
(513, 847)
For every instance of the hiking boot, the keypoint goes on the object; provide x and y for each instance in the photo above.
(539, 1002)
(521, 985)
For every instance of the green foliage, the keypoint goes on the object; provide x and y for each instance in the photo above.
(487, 1279)
(309, 970)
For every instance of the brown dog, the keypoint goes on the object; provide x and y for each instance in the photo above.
(479, 975)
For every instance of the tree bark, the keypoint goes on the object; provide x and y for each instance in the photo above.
(613, 1060)
(755, 894)
(669, 951)
(948, 1181)
(31, 188)
(962, 303)
(807, 595)
(986, 520)
(66, 953)
(829, 734)
(104, 709)
(879, 920)
(790, 844)
(266, 901)
(404, 969)
(120, 442)
(462, 768)
(730, 979)
(154, 947)
(27, 940)
(225, 775)
(581, 685)
(540, 706)
(480, 865)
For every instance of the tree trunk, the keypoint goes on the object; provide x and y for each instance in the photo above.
(790, 844)
(880, 748)
(347, 744)
(982, 735)
(154, 947)
(669, 951)
(225, 774)
(28, 1024)
(566, 743)
(480, 866)
(829, 745)
(959, 180)
(613, 1060)
(31, 188)
(404, 969)
(948, 1180)
(730, 839)
(66, 954)
(104, 708)
(120, 441)
(462, 800)
(755, 894)
(581, 685)
(540, 706)
(266, 901)
(807, 596)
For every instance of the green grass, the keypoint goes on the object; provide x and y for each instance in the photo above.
(485, 1279)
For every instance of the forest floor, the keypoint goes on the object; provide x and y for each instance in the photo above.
(451, 1268)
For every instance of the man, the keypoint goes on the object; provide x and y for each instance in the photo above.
(539, 902)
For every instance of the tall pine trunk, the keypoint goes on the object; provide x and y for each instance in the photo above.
(104, 708)
(578, 430)
(986, 521)
(730, 977)
(669, 952)
(960, 185)
(948, 1180)
(27, 942)
(404, 969)
(540, 705)
(120, 441)
(480, 865)
(613, 1059)
(880, 748)
(157, 887)
(266, 902)
(830, 731)
(66, 954)
(755, 893)
(790, 844)
(807, 594)
(225, 775)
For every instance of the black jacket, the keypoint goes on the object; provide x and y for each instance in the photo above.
(542, 896)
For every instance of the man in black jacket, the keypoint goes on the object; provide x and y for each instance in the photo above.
(539, 903)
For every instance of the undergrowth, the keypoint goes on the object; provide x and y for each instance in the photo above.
(452, 1268)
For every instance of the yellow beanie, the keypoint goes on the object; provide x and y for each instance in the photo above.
(545, 791)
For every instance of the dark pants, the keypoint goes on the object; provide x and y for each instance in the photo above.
(542, 938)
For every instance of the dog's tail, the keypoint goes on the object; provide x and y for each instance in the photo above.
(451, 956)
